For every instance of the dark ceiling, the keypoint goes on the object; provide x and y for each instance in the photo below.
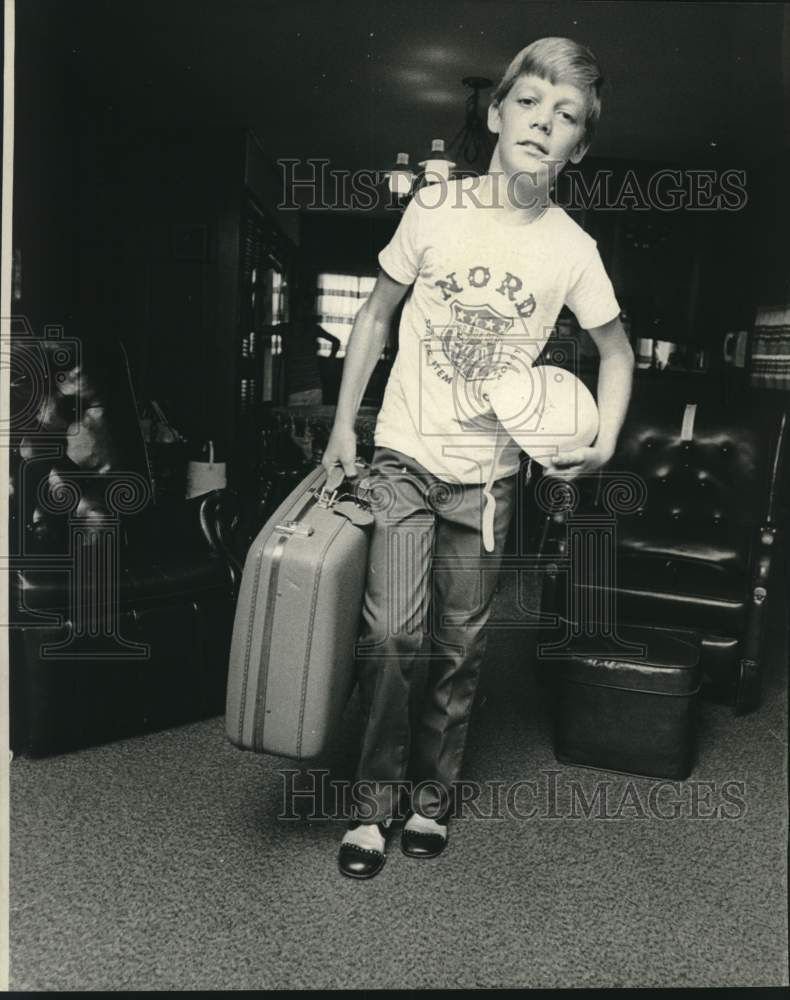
(357, 81)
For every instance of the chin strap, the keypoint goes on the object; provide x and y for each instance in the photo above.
(490, 507)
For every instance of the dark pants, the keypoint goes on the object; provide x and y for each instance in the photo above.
(426, 549)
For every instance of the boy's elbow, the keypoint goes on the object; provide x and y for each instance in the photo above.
(623, 353)
(612, 342)
(368, 312)
(377, 315)
(375, 322)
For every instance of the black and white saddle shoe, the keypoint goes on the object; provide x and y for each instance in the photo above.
(361, 862)
(416, 844)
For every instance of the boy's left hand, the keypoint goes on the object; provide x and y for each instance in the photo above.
(579, 462)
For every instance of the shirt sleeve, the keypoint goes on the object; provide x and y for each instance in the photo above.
(402, 256)
(591, 295)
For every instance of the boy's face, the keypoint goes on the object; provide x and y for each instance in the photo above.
(540, 126)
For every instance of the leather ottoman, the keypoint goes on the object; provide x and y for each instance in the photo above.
(621, 712)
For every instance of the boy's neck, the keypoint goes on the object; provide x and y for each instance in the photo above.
(516, 200)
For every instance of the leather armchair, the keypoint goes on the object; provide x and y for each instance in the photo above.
(120, 605)
(693, 505)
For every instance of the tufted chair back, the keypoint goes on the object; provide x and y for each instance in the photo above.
(694, 497)
(706, 491)
(77, 451)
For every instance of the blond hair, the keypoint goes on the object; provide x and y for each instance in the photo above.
(558, 60)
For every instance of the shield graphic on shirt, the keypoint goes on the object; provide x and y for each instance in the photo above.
(472, 342)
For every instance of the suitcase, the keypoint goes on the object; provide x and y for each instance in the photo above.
(297, 619)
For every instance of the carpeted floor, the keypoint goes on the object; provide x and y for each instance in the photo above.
(160, 863)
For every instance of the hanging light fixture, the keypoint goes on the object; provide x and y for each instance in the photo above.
(473, 139)
(471, 143)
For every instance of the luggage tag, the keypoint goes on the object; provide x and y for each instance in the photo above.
(356, 515)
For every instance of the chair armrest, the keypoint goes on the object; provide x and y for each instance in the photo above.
(219, 520)
(552, 543)
(747, 696)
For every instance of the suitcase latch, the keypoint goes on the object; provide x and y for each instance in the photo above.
(295, 528)
(323, 498)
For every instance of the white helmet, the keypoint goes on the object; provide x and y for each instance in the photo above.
(545, 409)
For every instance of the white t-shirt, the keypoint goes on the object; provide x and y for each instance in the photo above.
(483, 293)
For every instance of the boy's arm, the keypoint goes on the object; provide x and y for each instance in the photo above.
(615, 378)
(368, 339)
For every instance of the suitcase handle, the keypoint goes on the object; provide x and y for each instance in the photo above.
(334, 480)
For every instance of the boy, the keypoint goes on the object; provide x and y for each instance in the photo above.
(490, 262)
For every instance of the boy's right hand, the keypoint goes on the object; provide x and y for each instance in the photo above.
(341, 449)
